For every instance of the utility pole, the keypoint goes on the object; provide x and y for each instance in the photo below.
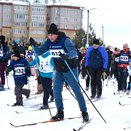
(88, 13)
(103, 33)
(87, 39)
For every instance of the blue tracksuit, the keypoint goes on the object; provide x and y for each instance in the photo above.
(65, 45)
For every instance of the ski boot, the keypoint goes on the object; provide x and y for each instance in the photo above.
(59, 116)
(85, 116)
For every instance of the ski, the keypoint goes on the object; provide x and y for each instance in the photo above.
(82, 125)
(127, 128)
(18, 112)
(35, 96)
(124, 104)
(42, 122)
(96, 99)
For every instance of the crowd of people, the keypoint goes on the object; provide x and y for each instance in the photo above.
(57, 61)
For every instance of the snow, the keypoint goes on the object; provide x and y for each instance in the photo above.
(117, 117)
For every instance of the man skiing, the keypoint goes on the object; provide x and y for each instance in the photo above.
(63, 49)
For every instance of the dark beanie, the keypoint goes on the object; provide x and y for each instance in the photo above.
(2, 38)
(96, 41)
(16, 53)
(53, 29)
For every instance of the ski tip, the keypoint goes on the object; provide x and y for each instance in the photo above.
(12, 124)
(74, 130)
(120, 103)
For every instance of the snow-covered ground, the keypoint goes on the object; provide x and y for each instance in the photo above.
(117, 117)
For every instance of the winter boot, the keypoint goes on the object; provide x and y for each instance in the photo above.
(17, 104)
(28, 95)
(51, 99)
(85, 116)
(59, 116)
(44, 107)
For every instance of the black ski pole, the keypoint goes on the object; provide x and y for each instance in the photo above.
(70, 92)
(50, 112)
(84, 91)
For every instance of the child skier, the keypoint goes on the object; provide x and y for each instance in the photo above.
(46, 69)
(21, 70)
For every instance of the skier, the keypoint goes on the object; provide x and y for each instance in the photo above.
(21, 70)
(63, 49)
(46, 69)
(96, 64)
(124, 57)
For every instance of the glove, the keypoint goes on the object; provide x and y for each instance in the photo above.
(28, 71)
(63, 56)
(7, 73)
(32, 41)
(104, 73)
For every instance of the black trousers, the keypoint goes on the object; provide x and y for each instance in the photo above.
(47, 89)
(122, 79)
(96, 84)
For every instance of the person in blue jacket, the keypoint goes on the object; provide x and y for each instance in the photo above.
(21, 70)
(45, 67)
(62, 48)
(96, 63)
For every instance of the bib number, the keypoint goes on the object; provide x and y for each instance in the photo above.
(56, 52)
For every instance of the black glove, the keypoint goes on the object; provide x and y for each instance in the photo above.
(63, 56)
(28, 71)
(8, 69)
(7, 73)
(32, 41)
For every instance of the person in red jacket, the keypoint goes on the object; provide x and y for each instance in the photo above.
(124, 58)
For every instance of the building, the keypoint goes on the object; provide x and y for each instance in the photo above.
(66, 15)
(22, 19)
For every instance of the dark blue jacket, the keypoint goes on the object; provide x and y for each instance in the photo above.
(20, 69)
(90, 59)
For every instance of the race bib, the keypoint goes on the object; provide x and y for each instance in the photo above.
(19, 70)
(45, 65)
(56, 52)
(124, 58)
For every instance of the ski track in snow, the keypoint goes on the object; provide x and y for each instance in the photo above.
(117, 117)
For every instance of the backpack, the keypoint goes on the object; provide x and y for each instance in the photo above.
(95, 59)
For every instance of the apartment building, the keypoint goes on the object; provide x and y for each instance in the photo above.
(23, 19)
(66, 15)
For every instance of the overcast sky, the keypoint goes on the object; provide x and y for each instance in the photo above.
(113, 15)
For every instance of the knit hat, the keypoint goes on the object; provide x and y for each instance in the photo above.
(96, 41)
(2, 39)
(16, 53)
(53, 29)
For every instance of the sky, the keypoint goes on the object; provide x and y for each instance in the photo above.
(113, 15)
(117, 117)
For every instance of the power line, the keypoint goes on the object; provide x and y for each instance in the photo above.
(111, 18)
